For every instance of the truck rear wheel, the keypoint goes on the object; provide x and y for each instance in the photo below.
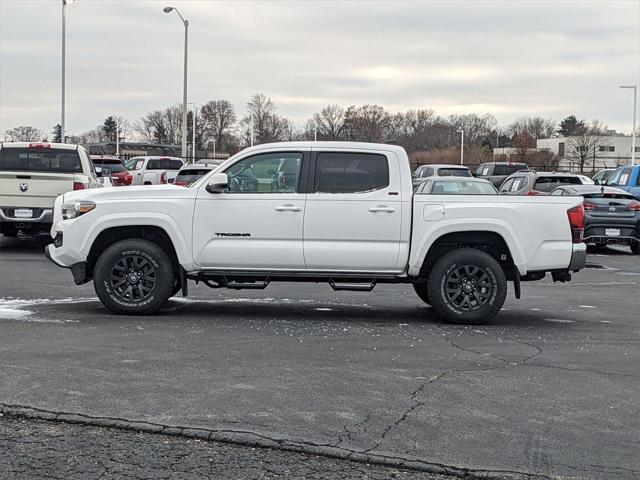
(467, 286)
(134, 277)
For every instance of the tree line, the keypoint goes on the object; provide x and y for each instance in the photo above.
(418, 131)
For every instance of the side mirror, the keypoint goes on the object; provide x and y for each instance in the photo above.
(218, 183)
(597, 181)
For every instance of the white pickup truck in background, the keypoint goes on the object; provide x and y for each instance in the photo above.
(349, 217)
(153, 170)
(32, 175)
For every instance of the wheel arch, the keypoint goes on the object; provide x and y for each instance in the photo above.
(488, 241)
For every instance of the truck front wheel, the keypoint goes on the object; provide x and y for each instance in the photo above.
(134, 277)
(467, 286)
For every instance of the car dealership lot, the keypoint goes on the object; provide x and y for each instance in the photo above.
(550, 387)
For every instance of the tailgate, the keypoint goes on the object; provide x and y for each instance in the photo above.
(33, 189)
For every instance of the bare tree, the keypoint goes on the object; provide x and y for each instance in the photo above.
(267, 125)
(476, 127)
(24, 134)
(585, 142)
(368, 123)
(218, 118)
(330, 123)
(535, 127)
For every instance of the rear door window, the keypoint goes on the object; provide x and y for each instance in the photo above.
(350, 172)
(500, 170)
(513, 168)
(506, 186)
(45, 160)
(164, 164)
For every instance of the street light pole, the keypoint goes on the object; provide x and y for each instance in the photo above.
(64, 47)
(184, 88)
(461, 146)
(117, 138)
(633, 133)
(193, 132)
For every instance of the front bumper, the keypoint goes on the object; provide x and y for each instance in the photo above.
(578, 257)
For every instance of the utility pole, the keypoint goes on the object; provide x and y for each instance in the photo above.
(633, 133)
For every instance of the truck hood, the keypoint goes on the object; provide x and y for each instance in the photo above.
(137, 193)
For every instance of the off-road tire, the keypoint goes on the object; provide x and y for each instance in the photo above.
(480, 273)
(421, 291)
(153, 264)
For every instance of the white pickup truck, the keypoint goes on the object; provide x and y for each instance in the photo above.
(153, 170)
(347, 216)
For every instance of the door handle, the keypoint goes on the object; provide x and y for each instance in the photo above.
(288, 208)
(382, 208)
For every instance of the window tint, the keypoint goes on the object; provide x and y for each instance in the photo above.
(54, 160)
(454, 172)
(515, 167)
(625, 175)
(131, 163)
(506, 186)
(546, 184)
(462, 187)
(427, 172)
(114, 165)
(266, 173)
(500, 170)
(350, 172)
(164, 164)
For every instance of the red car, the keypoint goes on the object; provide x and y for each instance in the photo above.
(120, 176)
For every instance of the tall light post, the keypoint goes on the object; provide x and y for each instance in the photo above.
(193, 132)
(64, 47)
(184, 88)
(633, 133)
(461, 131)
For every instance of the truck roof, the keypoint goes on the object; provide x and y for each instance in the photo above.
(386, 147)
(41, 145)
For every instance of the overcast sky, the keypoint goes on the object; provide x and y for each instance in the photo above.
(509, 58)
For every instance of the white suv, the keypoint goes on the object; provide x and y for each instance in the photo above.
(32, 175)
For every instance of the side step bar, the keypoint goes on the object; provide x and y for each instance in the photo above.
(354, 287)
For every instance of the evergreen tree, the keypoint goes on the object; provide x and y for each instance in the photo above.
(571, 126)
(57, 134)
(109, 128)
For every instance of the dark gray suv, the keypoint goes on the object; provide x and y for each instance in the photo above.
(496, 172)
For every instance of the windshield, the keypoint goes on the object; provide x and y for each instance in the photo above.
(462, 187)
(54, 160)
(454, 172)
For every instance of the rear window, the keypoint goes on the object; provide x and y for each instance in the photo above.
(454, 172)
(54, 161)
(516, 167)
(115, 166)
(546, 184)
(609, 199)
(164, 164)
(500, 170)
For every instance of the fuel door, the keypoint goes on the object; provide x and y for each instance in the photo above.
(433, 213)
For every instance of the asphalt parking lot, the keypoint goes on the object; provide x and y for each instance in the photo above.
(550, 388)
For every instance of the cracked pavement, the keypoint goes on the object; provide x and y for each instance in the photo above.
(549, 388)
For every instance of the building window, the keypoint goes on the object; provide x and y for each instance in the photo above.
(601, 148)
(612, 149)
(637, 149)
(561, 149)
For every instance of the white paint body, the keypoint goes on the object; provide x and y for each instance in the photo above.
(387, 231)
(144, 176)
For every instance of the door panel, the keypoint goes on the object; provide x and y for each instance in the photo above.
(353, 230)
(258, 224)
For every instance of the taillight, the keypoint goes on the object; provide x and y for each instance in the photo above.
(78, 186)
(180, 183)
(589, 206)
(576, 221)
(533, 192)
(126, 180)
(163, 177)
(634, 206)
(39, 146)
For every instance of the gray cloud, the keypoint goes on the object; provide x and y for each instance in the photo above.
(508, 58)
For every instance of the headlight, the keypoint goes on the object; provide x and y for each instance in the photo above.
(75, 209)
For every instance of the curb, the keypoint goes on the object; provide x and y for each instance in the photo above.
(254, 439)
